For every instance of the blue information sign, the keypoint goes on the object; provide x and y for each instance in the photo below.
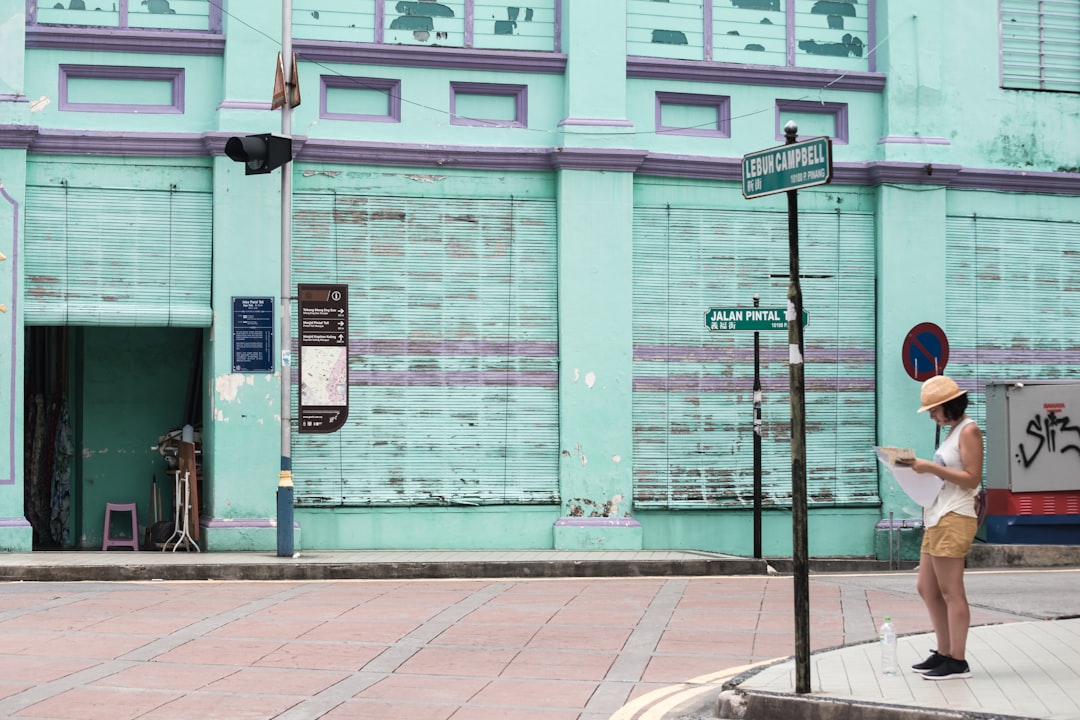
(252, 334)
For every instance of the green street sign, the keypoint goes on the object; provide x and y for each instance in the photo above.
(754, 319)
(788, 167)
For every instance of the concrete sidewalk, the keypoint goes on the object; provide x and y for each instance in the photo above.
(1025, 669)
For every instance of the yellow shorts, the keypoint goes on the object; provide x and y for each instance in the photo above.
(951, 537)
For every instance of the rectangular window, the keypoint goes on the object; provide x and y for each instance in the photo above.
(686, 114)
(360, 98)
(121, 89)
(489, 104)
(188, 15)
(1040, 45)
(836, 35)
(814, 118)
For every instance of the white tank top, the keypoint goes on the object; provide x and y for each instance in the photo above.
(951, 497)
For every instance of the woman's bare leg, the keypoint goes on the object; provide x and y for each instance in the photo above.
(931, 593)
(949, 573)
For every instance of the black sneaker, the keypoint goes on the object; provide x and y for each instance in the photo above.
(951, 669)
(930, 663)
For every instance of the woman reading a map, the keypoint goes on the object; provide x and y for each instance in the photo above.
(950, 523)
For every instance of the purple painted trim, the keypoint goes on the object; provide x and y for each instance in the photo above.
(597, 522)
(122, 144)
(913, 140)
(707, 35)
(721, 103)
(124, 14)
(558, 26)
(839, 112)
(385, 348)
(216, 16)
(456, 378)
(13, 97)
(243, 105)
(728, 353)
(13, 313)
(31, 13)
(470, 18)
(389, 87)
(789, 32)
(240, 523)
(619, 160)
(19, 137)
(425, 156)
(871, 35)
(520, 94)
(595, 122)
(770, 75)
(380, 23)
(173, 76)
(999, 356)
(442, 58)
(13, 522)
(714, 384)
(323, 150)
(164, 42)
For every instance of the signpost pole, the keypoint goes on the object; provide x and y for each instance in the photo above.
(757, 439)
(285, 483)
(800, 540)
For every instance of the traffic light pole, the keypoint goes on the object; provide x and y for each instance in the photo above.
(285, 483)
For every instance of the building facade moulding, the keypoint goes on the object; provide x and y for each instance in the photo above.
(158, 42)
(641, 162)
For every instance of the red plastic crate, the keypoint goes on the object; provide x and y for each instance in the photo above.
(1006, 502)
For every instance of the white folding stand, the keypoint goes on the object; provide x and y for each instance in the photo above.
(181, 515)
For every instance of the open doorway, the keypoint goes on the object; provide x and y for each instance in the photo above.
(97, 401)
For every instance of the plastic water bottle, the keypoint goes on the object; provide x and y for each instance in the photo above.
(887, 636)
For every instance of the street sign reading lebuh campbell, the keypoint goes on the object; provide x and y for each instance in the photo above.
(787, 167)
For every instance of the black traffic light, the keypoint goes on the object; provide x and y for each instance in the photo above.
(260, 153)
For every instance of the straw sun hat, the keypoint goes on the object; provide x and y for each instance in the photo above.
(937, 390)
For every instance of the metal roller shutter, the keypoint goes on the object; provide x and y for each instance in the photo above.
(118, 257)
(453, 352)
(1013, 300)
(693, 389)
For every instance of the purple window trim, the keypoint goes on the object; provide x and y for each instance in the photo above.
(722, 104)
(470, 22)
(470, 19)
(639, 67)
(520, 93)
(164, 42)
(442, 58)
(390, 87)
(213, 19)
(595, 122)
(13, 97)
(174, 76)
(838, 111)
(12, 314)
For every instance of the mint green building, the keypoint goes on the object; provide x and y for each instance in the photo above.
(533, 210)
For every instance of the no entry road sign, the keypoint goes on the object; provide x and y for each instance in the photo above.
(787, 167)
(925, 351)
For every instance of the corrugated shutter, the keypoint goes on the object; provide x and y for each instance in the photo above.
(1040, 44)
(118, 257)
(1013, 301)
(453, 350)
(693, 389)
(672, 29)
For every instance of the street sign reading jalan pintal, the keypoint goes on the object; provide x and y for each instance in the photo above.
(788, 167)
(755, 319)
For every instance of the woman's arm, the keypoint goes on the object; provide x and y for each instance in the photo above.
(971, 457)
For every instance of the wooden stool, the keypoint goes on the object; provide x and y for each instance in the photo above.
(132, 542)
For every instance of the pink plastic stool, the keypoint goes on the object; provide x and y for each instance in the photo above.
(132, 542)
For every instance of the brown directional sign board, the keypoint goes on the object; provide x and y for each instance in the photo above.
(324, 357)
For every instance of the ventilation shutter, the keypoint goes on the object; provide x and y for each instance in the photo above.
(453, 396)
(118, 257)
(693, 389)
(1012, 299)
(1040, 44)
